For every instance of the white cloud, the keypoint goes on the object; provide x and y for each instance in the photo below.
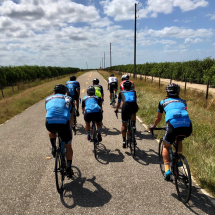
(176, 20)
(211, 15)
(177, 32)
(197, 40)
(124, 9)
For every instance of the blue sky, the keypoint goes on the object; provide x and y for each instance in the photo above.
(71, 33)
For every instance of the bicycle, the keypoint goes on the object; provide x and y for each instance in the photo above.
(60, 165)
(131, 140)
(181, 174)
(93, 137)
(75, 116)
(113, 98)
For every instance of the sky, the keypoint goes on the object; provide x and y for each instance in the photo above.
(77, 33)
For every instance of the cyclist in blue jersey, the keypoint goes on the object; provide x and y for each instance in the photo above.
(178, 123)
(91, 107)
(128, 98)
(74, 91)
(58, 113)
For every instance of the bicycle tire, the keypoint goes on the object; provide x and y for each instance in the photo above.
(160, 156)
(94, 140)
(59, 172)
(183, 179)
(132, 143)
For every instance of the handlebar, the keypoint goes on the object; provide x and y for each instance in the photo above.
(152, 130)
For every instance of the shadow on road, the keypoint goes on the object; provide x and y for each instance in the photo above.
(198, 201)
(85, 193)
(80, 129)
(105, 156)
(107, 131)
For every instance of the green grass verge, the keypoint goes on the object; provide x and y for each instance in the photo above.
(25, 98)
(199, 148)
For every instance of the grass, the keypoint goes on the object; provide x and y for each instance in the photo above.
(24, 98)
(199, 148)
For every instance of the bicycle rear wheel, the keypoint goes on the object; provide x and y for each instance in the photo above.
(132, 143)
(160, 156)
(59, 171)
(94, 139)
(183, 181)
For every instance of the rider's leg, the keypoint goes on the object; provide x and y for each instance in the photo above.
(133, 119)
(71, 120)
(87, 128)
(52, 137)
(166, 155)
(69, 151)
(77, 105)
(123, 131)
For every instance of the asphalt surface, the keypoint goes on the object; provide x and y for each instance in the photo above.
(114, 184)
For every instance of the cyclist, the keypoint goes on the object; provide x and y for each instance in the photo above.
(124, 78)
(112, 86)
(59, 110)
(91, 107)
(98, 90)
(74, 91)
(129, 105)
(178, 123)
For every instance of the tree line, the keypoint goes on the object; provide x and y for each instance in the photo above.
(11, 75)
(195, 71)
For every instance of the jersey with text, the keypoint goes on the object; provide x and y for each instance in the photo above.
(72, 86)
(58, 108)
(176, 112)
(92, 104)
(112, 79)
(127, 96)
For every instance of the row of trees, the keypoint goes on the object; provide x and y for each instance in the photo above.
(10, 75)
(196, 71)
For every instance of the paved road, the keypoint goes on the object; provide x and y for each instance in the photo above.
(114, 184)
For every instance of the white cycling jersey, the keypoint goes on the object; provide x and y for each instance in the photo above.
(112, 79)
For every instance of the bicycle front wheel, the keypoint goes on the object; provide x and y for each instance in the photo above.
(183, 181)
(59, 172)
(94, 140)
(160, 156)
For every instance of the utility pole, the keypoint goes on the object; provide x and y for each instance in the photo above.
(87, 64)
(135, 29)
(110, 54)
(104, 60)
(102, 63)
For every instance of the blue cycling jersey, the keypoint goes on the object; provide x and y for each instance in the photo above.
(91, 104)
(72, 87)
(127, 96)
(176, 113)
(58, 109)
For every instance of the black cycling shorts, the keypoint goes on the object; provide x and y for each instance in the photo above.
(172, 132)
(74, 97)
(113, 86)
(128, 108)
(63, 130)
(88, 117)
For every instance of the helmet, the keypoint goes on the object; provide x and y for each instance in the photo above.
(127, 84)
(60, 88)
(173, 89)
(112, 75)
(72, 78)
(91, 90)
(126, 77)
(96, 81)
(123, 78)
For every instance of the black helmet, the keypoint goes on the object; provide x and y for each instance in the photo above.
(126, 77)
(96, 81)
(173, 89)
(72, 78)
(112, 75)
(127, 85)
(60, 88)
(91, 90)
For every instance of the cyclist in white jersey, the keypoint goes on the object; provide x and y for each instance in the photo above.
(112, 86)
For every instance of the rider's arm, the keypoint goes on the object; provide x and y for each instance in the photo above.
(158, 119)
(78, 89)
(83, 105)
(119, 101)
(159, 115)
